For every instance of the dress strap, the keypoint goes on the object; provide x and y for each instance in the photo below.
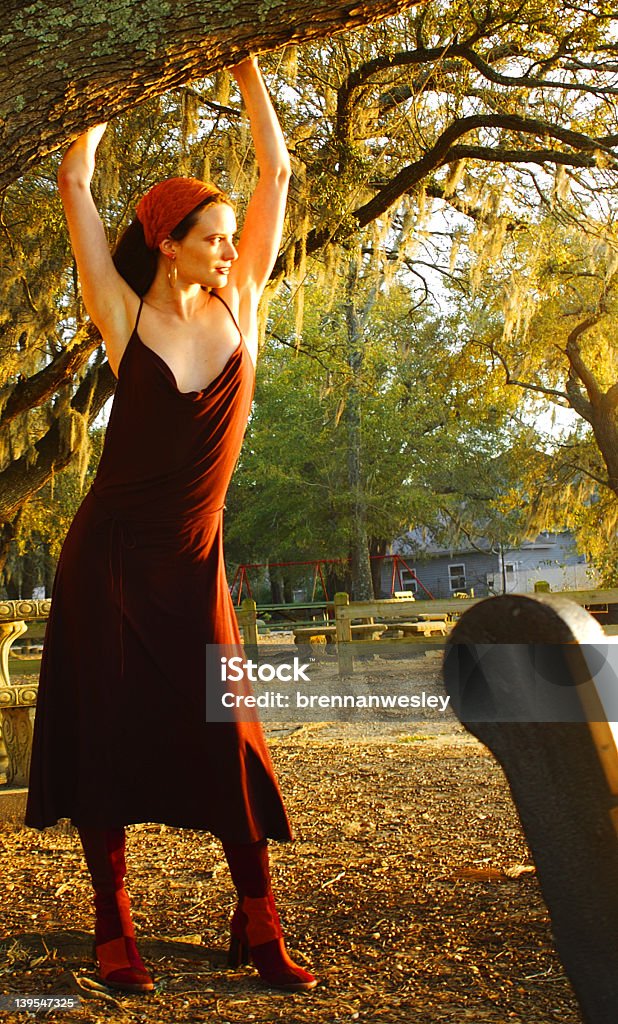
(216, 294)
(139, 313)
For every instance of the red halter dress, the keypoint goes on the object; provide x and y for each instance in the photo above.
(121, 733)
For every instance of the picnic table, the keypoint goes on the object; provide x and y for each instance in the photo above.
(360, 631)
(423, 627)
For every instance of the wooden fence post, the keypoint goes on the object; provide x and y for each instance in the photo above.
(343, 635)
(248, 611)
(250, 631)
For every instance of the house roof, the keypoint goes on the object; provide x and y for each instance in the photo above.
(421, 543)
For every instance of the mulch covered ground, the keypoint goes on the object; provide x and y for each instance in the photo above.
(409, 892)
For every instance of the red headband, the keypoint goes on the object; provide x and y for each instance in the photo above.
(169, 202)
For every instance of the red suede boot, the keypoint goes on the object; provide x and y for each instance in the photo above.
(257, 938)
(255, 928)
(120, 965)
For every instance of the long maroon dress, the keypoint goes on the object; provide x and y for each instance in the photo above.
(121, 734)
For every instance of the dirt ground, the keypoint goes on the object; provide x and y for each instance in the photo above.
(409, 891)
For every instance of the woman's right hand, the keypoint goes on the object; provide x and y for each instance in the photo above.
(79, 159)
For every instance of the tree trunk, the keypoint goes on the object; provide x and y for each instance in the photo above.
(12, 589)
(362, 583)
(338, 579)
(67, 66)
(590, 401)
(50, 572)
(605, 428)
(378, 547)
(276, 586)
(29, 576)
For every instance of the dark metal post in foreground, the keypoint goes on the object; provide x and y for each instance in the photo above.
(563, 772)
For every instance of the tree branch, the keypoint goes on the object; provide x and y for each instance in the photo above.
(444, 151)
(68, 66)
(526, 385)
(578, 366)
(528, 81)
(493, 154)
(38, 389)
(25, 476)
(422, 56)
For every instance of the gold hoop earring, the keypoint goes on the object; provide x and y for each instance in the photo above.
(172, 272)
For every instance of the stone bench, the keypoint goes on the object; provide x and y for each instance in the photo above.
(17, 701)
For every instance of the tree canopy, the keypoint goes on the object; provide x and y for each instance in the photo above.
(550, 327)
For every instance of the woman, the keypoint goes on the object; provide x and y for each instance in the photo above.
(121, 734)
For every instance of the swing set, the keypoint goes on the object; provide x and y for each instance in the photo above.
(241, 584)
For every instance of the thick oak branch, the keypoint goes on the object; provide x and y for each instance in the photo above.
(68, 65)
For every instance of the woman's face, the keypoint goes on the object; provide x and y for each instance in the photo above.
(206, 253)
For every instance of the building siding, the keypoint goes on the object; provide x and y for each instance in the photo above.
(550, 557)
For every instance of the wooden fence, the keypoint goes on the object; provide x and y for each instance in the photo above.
(352, 618)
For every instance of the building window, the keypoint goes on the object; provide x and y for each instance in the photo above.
(457, 577)
(408, 580)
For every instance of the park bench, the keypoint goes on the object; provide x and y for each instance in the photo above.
(296, 613)
(544, 715)
(304, 634)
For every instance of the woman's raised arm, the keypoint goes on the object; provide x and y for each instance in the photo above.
(261, 233)
(109, 300)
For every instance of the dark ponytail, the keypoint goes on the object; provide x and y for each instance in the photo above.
(134, 260)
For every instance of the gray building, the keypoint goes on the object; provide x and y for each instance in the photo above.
(426, 569)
